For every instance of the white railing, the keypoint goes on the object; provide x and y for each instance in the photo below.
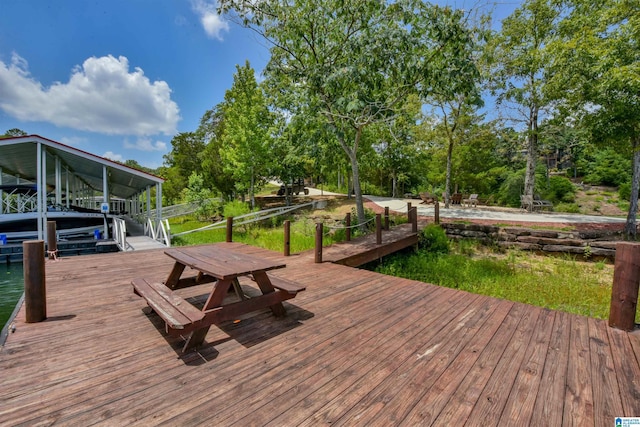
(249, 218)
(158, 230)
(120, 234)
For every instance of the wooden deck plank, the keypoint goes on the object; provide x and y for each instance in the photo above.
(466, 396)
(578, 406)
(436, 398)
(627, 371)
(522, 398)
(346, 353)
(549, 406)
(606, 397)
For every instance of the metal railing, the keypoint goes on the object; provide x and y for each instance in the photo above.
(249, 218)
(158, 230)
(120, 234)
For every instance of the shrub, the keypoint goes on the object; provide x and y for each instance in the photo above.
(434, 239)
(560, 189)
(624, 191)
(608, 167)
(511, 189)
(235, 208)
(567, 207)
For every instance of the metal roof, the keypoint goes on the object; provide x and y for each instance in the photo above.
(18, 157)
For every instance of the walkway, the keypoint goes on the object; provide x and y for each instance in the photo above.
(356, 349)
(492, 213)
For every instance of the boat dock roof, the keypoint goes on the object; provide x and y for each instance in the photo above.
(357, 348)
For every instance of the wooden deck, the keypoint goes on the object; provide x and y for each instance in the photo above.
(357, 348)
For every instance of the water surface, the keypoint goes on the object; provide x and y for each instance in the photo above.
(11, 289)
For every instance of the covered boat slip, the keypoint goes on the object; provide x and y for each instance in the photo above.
(78, 186)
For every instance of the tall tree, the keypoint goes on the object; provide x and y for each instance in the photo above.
(356, 62)
(520, 58)
(246, 137)
(181, 162)
(597, 76)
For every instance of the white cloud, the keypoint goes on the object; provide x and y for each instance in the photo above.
(145, 144)
(101, 96)
(113, 156)
(212, 23)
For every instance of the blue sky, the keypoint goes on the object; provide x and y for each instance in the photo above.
(120, 78)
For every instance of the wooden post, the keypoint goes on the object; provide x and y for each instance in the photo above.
(52, 240)
(624, 293)
(35, 298)
(318, 258)
(229, 229)
(386, 218)
(409, 212)
(378, 229)
(347, 224)
(287, 237)
(414, 219)
(436, 213)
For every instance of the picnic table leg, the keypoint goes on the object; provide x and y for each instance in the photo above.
(266, 287)
(215, 299)
(174, 276)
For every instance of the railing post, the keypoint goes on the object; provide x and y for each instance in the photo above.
(287, 238)
(624, 292)
(52, 240)
(436, 213)
(386, 218)
(347, 224)
(378, 229)
(229, 229)
(409, 212)
(318, 249)
(414, 219)
(35, 298)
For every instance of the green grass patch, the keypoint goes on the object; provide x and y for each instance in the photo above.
(556, 283)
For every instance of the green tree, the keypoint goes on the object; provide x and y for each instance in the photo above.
(519, 58)
(13, 133)
(597, 77)
(355, 62)
(211, 131)
(181, 162)
(246, 139)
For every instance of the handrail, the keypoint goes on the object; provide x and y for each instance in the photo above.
(252, 217)
(120, 233)
(159, 231)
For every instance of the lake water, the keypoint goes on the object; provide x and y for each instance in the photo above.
(11, 289)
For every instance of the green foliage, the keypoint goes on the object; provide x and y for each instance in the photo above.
(567, 207)
(235, 208)
(624, 191)
(559, 189)
(511, 189)
(607, 167)
(434, 239)
(555, 283)
(203, 197)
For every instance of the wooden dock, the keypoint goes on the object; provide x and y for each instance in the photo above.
(356, 349)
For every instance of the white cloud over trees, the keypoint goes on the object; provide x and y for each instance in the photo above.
(212, 23)
(102, 95)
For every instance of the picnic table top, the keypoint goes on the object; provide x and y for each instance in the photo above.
(222, 260)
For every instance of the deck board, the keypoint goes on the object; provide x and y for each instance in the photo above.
(356, 348)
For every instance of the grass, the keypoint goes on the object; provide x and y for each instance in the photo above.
(556, 283)
(268, 235)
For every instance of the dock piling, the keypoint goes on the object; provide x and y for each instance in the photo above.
(35, 299)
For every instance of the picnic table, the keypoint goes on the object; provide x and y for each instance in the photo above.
(220, 264)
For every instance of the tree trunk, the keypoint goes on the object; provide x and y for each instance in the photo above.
(630, 226)
(394, 185)
(532, 153)
(447, 182)
(252, 191)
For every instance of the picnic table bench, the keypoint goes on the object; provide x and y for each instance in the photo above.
(220, 264)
